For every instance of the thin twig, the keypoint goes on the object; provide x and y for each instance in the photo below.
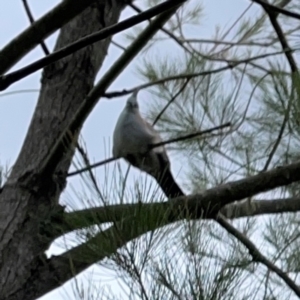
(98, 164)
(220, 42)
(170, 102)
(118, 45)
(19, 92)
(185, 137)
(53, 20)
(256, 254)
(31, 19)
(166, 31)
(231, 64)
(282, 39)
(280, 133)
(7, 80)
(294, 69)
(88, 164)
(190, 136)
(277, 9)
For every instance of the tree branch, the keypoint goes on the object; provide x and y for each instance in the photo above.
(87, 163)
(149, 217)
(277, 9)
(282, 39)
(40, 30)
(204, 205)
(256, 254)
(261, 207)
(31, 19)
(7, 80)
(170, 102)
(231, 64)
(294, 70)
(166, 31)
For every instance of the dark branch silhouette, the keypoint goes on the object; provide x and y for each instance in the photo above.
(7, 80)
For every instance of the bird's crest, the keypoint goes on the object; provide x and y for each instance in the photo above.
(132, 100)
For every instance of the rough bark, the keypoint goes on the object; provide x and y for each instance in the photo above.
(29, 200)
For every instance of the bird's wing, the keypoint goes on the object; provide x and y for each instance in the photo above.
(156, 138)
(131, 135)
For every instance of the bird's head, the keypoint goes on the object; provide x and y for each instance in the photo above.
(132, 102)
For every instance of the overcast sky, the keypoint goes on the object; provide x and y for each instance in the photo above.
(16, 110)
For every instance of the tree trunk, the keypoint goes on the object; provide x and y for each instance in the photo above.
(29, 200)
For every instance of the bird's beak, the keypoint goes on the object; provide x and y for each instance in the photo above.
(135, 93)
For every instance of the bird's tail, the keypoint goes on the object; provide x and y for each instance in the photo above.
(163, 177)
(168, 184)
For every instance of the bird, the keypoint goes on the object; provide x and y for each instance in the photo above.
(133, 138)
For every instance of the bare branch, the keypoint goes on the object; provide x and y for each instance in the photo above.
(204, 205)
(87, 163)
(280, 133)
(98, 164)
(294, 69)
(277, 9)
(192, 135)
(231, 64)
(170, 102)
(19, 92)
(282, 39)
(41, 29)
(7, 80)
(166, 31)
(220, 42)
(256, 254)
(31, 19)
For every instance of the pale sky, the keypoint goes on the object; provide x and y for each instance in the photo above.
(16, 110)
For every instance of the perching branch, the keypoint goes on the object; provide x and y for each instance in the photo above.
(174, 140)
(112, 213)
(7, 80)
(204, 205)
(256, 254)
